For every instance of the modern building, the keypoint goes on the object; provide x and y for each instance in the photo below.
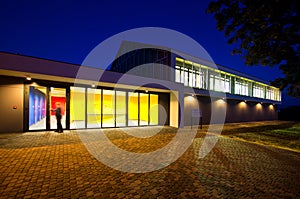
(145, 85)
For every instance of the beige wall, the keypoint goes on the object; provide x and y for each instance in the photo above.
(11, 96)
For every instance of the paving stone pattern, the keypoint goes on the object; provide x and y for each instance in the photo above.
(52, 165)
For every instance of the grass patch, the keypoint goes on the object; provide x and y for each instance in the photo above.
(283, 135)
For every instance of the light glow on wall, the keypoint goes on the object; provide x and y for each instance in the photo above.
(190, 98)
(258, 106)
(242, 105)
(220, 104)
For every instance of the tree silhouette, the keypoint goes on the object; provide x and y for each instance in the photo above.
(267, 32)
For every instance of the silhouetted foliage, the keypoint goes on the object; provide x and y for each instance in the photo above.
(290, 113)
(267, 33)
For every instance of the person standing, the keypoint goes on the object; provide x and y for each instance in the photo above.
(58, 116)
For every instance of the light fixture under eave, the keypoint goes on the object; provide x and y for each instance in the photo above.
(146, 91)
(28, 78)
(93, 85)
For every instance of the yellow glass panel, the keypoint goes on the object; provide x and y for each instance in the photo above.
(144, 106)
(153, 109)
(120, 108)
(108, 117)
(133, 114)
(77, 107)
(94, 108)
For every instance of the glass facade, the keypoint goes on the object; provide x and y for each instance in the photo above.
(153, 109)
(37, 107)
(191, 74)
(144, 109)
(219, 82)
(241, 87)
(91, 108)
(203, 77)
(77, 107)
(133, 109)
(57, 96)
(258, 91)
(108, 114)
(121, 101)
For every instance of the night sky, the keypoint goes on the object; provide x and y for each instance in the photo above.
(68, 30)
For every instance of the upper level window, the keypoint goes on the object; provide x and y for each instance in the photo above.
(241, 87)
(258, 91)
(219, 82)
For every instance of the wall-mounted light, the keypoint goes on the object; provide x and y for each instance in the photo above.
(93, 85)
(146, 91)
(242, 104)
(28, 78)
(258, 106)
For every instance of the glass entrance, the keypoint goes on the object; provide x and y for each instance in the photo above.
(57, 98)
(90, 108)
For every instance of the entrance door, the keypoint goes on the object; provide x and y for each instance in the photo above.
(57, 98)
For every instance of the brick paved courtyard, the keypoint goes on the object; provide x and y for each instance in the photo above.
(52, 165)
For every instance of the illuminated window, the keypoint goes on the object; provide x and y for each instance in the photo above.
(144, 108)
(93, 108)
(241, 87)
(77, 107)
(186, 77)
(153, 109)
(195, 75)
(177, 74)
(270, 94)
(120, 108)
(37, 108)
(219, 82)
(133, 109)
(58, 96)
(108, 117)
(258, 91)
(277, 95)
(192, 78)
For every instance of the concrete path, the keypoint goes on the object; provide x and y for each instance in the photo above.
(52, 165)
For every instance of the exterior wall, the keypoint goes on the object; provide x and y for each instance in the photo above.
(164, 109)
(11, 98)
(236, 111)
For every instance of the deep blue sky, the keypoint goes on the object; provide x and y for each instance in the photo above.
(68, 30)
